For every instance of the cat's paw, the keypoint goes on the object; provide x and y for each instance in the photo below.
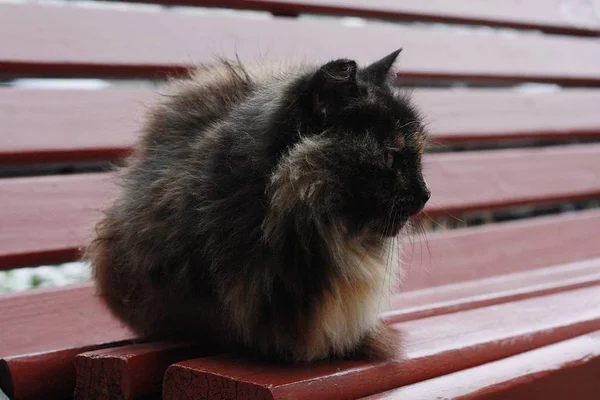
(382, 344)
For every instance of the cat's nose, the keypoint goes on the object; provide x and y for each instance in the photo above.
(421, 199)
(425, 196)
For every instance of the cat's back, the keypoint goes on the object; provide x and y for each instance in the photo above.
(190, 106)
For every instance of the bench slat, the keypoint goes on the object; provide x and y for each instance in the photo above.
(43, 126)
(468, 181)
(47, 126)
(58, 314)
(481, 292)
(46, 375)
(42, 331)
(549, 16)
(50, 217)
(130, 372)
(565, 370)
(75, 42)
(434, 346)
(454, 257)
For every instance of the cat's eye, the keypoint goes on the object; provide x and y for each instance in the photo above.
(388, 158)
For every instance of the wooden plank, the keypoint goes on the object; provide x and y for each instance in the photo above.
(50, 217)
(481, 292)
(76, 43)
(454, 257)
(57, 313)
(133, 371)
(469, 181)
(42, 331)
(432, 347)
(47, 126)
(488, 115)
(46, 375)
(130, 372)
(557, 16)
(565, 370)
(43, 126)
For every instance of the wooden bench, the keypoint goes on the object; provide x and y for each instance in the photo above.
(503, 310)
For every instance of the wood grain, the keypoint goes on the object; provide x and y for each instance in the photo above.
(136, 371)
(46, 126)
(130, 372)
(481, 292)
(76, 43)
(565, 370)
(42, 331)
(44, 375)
(58, 314)
(464, 182)
(454, 257)
(557, 16)
(50, 217)
(433, 347)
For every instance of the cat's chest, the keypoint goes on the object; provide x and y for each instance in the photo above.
(357, 295)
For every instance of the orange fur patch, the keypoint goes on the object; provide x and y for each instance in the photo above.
(351, 307)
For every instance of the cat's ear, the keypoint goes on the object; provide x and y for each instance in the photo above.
(379, 70)
(332, 84)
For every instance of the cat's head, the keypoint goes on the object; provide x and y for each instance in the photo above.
(356, 159)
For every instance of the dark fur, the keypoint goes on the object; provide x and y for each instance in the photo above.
(237, 207)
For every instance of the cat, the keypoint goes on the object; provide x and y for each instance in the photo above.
(261, 207)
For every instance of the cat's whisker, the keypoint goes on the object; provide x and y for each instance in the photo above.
(434, 221)
(408, 123)
(424, 240)
(388, 250)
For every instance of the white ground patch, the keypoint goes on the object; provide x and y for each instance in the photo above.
(45, 276)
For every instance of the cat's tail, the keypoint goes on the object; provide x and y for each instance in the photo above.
(108, 271)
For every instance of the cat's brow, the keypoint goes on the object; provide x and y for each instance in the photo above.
(400, 143)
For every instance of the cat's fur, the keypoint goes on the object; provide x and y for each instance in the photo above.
(260, 211)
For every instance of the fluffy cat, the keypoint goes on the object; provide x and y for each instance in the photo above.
(260, 211)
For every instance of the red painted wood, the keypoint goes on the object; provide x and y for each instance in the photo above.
(454, 256)
(132, 371)
(565, 370)
(76, 42)
(478, 292)
(433, 346)
(567, 17)
(136, 371)
(52, 216)
(45, 126)
(477, 115)
(129, 372)
(462, 182)
(67, 328)
(42, 331)
(44, 375)
(49, 217)
(58, 318)
(41, 126)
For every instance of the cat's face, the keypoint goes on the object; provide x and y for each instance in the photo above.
(361, 164)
